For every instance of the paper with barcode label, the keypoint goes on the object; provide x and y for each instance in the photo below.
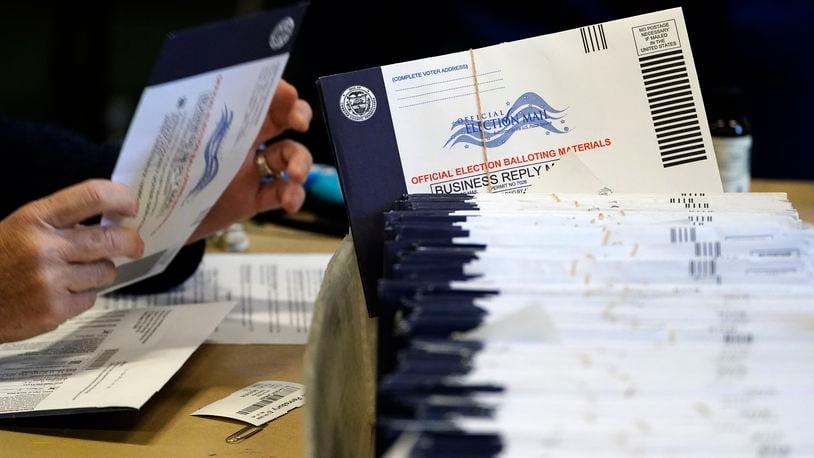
(623, 94)
(258, 403)
(102, 359)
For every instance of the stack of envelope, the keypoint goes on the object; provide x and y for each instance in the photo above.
(598, 325)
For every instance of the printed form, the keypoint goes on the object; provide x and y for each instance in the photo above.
(102, 359)
(193, 127)
(275, 295)
(622, 95)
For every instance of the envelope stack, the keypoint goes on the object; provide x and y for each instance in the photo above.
(598, 325)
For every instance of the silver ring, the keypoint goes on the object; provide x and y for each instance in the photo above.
(262, 166)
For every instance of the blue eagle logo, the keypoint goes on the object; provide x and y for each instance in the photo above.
(529, 110)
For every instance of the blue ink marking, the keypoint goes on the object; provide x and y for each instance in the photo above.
(212, 151)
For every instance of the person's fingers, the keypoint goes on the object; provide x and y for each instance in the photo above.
(70, 206)
(78, 303)
(291, 157)
(282, 103)
(88, 276)
(280, 193)
(300, 116)
(93, 243)
(287, 111)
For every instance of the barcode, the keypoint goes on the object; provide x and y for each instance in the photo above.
(702, 269)
(708, 249)
(695, 206)
(682, 234)
(593, 38)
(268, 399)
(699, 220)
(102, 359)
(675, 118)
(686, 199)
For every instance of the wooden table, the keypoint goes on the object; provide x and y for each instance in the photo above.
(164, 426)
(801, 194)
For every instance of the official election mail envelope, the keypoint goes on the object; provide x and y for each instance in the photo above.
(622, 95)
(197, 119)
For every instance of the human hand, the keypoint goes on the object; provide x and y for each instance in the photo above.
(51, 266)
(246, 195)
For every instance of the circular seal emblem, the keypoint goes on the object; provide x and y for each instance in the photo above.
(281, 33)
(358, 103)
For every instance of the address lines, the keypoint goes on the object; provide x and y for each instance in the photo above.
(447, 90)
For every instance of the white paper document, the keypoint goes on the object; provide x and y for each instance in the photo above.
(275, 295)
(195, 124)
(623, 96)
(102, 359)
(258, 403)
(564, 336)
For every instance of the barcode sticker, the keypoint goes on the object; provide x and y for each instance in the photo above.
(682, 235)
(669, 94)
(258, 403)
(268, 399)
(593, 38)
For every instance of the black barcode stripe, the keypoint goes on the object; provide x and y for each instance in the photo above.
(685, 234)
(658, 56)
(672, 120)
(654, 63)
(662, 70)
(664, 141)
(682, 149)
(684, 152)
(666, 81)
(671, 100)
(666, 75)
(596, 35)
(676, 156)
(684, 93)
(680, 156)
(102, 359)
(695, 159)
(673, 109)
(667, 149)
(662, 111)
(672, 114)
(671, 134)
(268, 399)
(671, 130)
(654, 87)
(708, 249)
(684, 87)
(670, 127)
(593, 38)
(700, 269)
(676, 135)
